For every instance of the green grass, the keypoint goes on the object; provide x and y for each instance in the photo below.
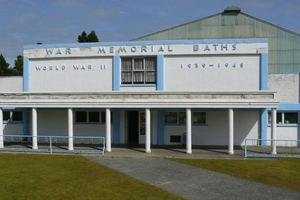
(37, 176)
(283, 173)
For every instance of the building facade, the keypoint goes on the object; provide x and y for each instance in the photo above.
(213, 81)
(191, 92)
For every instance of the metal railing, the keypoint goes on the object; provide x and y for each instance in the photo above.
(53, 144)
(263, 148)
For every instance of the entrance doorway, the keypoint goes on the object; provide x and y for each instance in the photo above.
(133, 127)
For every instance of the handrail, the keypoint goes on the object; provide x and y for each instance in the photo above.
(51, 141)
(278, 143)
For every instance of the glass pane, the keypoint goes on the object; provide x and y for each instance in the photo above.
(171, 117)
(94, 117)
(80, 116)
(126, 64)
(150, 77)
(138, 64)
(103, 117)
(199, 118)
(126, 77)
(6, 115)
(138, 77)
(291, 118)
(279, 118)
(150, 64)
(182, 118)
(17, 116)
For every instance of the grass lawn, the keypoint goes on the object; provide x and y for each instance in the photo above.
(283, 173)
(37, 176)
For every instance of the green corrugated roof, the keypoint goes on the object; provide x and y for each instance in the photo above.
(284, 45)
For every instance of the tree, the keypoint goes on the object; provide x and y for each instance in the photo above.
(91, 37)
(4, 70)
(18, 66)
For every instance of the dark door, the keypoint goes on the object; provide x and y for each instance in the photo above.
(133, 127)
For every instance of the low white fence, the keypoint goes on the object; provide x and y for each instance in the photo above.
(264, 148)
(53, 144)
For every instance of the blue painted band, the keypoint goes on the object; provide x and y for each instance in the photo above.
(264, 71)
(116, 73)
(25, 121)
(263, 126)
(160, 127)
(288, 107)
(153, 42)
(26, 74)
(160, 73)
(116, 125)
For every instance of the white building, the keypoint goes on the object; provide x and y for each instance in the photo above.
(213, 81)
(213, 92)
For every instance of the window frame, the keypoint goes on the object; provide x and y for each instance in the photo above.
(181, 118)
(9, 116)
(101, 117)
(199, 123)
(134, 70)
(281, 118)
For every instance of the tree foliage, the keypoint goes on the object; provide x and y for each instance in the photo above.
(91, 37)
(17, 70)
(4, 70)
(19, 66)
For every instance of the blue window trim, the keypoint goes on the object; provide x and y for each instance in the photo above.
(116, 73)
(264, 71)
(26, 75)
(160, 70)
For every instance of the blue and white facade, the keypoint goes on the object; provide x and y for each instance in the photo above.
(193, 92)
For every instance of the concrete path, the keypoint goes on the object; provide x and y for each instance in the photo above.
(192, 182)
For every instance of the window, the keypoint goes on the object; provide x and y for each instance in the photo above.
(180, 117)
(284, 118)
(17, 116)
(199, 118)
(90, 117)
(138, 70)
(14, 116)
(6, 115)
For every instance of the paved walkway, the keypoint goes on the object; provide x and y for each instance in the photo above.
(188, 181)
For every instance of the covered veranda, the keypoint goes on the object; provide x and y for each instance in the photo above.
(147, 101)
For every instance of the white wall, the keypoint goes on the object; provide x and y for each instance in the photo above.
(287, 86)
(180, 77)
(11, 84)
(12, 129)
(284, 133)
(59, 75)
(246, 125)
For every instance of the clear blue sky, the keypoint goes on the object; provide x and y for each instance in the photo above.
(26, 22)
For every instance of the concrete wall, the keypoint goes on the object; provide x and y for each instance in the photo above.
(287, 86)
(215, 132)
(209, 73)
(11, 84)
(285, 133)
(71, 75)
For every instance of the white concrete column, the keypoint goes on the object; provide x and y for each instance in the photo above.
(231, 127)
(188, 131)
(108, 130)
(148, 133)
(1, 129)
(34, 128)
(70, 130)
(273, 130)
